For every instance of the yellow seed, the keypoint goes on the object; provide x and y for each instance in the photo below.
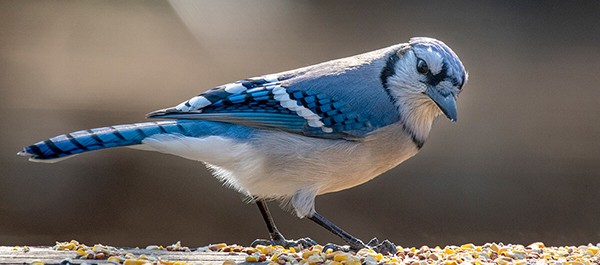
(36, 262)
(274, 258)
(292, 250)
(335, 263)
(317, 247)
(467, 246)
(252, 258)
(574, 263)
(81, 252)
(115, 259)
(154, 247)
(353, 262)
(333, 254)
(501, 262)
(593, 250)
(135, 262)
(216, 247)
(448, 251)
(536, 245)
(341, 257)
(262, 249)
(307, 254)
(494, 247)
(502, 250)
(314, 259)
(450, 262)
(228, 262)
(377, 256)
(521, 262)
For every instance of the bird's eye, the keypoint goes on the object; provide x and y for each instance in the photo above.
(422, 66)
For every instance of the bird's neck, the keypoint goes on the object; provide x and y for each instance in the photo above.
(417, 113)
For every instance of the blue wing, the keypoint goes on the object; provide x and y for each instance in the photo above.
(340, 99)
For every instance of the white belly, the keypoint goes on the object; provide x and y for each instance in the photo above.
(289, 166)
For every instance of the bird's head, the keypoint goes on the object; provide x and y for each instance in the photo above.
(426, 80)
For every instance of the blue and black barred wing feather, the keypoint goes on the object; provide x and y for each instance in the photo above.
(263, 102)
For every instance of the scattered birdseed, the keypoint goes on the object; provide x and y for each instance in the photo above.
(467, 254)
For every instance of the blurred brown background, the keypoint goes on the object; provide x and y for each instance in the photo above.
(521, 165)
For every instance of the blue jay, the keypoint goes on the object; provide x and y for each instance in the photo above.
(297, 134)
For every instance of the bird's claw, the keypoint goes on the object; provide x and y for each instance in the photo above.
(335, 248)
(384, 247)
(302, 243)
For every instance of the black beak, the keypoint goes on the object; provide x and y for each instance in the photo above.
(446, 103)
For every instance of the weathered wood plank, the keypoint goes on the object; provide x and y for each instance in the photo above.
(12, 255)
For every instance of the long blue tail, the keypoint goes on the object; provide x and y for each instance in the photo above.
(68, 144)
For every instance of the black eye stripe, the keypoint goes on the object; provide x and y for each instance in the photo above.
(437, 78)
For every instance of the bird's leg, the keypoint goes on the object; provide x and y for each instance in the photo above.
(276, 237)
(354, 243)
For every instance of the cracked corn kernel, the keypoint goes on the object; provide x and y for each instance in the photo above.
(155, 247)
(81, 252)
(134, 262)
(574, 263)
(521, 262)
(342, 257)
(228, 262)
(592, 249)
(314, 259)
(252, 258)
(467, 246)
(536, 245)
(450, 262)
(448, 251)
(467, 254)
(377, 256)
(307, 254)
(262, 248)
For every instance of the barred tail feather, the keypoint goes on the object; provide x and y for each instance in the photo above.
(66, 145)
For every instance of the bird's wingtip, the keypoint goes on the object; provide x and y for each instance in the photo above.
(160, 113)
(22, 153)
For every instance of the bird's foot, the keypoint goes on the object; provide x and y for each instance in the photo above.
(301, 243)
(384, 247)
(335, 248)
